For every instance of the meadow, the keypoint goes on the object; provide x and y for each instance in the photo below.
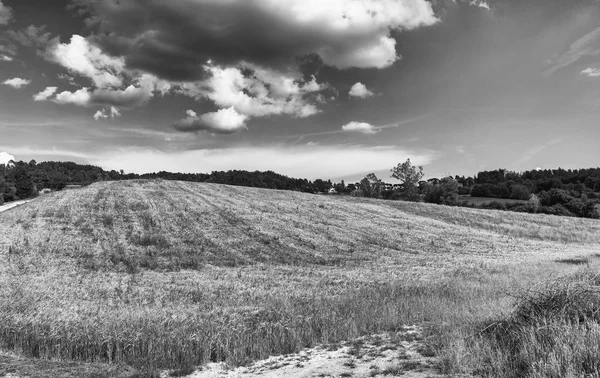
(159, 275)
(478, 201)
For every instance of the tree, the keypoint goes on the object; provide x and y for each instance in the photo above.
(410, 176)
(446, 192)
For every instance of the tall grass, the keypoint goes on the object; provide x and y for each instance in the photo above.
(553, 331)
(172, 275)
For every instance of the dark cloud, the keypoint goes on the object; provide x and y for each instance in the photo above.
(174, 39)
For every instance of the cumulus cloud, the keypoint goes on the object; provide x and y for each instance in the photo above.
(130, 97)
(5, 157)
(480, 4)
(360, 90)
(360, 127)
(256, 92)
(111, 112)
(344, 33)
(45, 94)
(100, 114)
(592, 72)
(6, 14)
(81, 57)
(80, 97)
(16, 82)
(6, 58)
(223, 121)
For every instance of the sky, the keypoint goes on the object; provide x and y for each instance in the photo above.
(329, 89)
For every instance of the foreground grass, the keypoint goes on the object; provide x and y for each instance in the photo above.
(173, 275)
(552, 331)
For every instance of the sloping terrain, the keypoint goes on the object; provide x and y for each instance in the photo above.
(165, 274)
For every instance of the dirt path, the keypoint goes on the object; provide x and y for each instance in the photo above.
(402, 353)
(10, 205)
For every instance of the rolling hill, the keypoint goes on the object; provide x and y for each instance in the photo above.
(167, 274)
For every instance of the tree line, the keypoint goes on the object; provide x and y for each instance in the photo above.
(560, 192)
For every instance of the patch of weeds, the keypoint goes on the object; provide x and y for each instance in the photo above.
(377, 341)
(62, 213)
(426, 350)
(574, 261)
(333, 347)
(148, 240)
(107, 220)
(86, 230)
(389, 347)
(356, 348)
(138, 206)
(182, 372)
(412, 365)
(147, 221)
(393, 370)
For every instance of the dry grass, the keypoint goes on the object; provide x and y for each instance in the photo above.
(170, 274)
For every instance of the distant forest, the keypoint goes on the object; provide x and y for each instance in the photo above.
(556, 191)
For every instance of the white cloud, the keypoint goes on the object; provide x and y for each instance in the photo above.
(16, 82)
(6, 58)
(360, 127)
(263, 93)
(592, 72)
(480, 4)
(223, 121)
(100, 114)
(111, 112)
(360, 90)
(484, 5)
(5, 157)
(45, 94)
(81, 57)
(114, 112)
(80, 97)
(584, 46)
(130, 97)
(6, 14)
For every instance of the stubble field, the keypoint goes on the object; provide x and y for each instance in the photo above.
(171, 275)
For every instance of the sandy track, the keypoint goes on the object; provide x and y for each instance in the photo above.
(11, 205)
(391, 354)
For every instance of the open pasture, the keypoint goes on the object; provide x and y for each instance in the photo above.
(171, 275)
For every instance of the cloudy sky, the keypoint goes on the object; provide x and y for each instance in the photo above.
(308, 88)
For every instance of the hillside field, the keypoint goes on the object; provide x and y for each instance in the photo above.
(154, 275)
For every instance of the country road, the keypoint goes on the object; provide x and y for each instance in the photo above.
(14, 204)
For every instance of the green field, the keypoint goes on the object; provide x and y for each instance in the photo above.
(150, 275)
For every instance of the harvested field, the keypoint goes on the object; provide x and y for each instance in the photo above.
(173, 275)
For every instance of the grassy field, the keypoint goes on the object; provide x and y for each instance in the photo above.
(478, 201)
(163, 274)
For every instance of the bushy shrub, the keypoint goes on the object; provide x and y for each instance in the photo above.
(490, 190)
(520, 192)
